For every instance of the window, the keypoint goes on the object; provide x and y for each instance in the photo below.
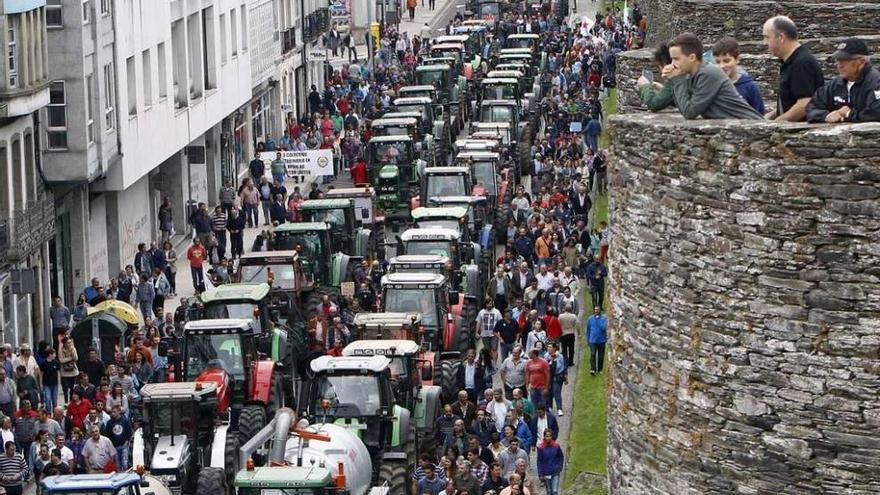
(12, 54)
(244, 29)
(87, 11)
(163, 75)
(233, 29)
(56, 128)
(105, 7)
(222, 39)
(209, 48)
(53, 14)
(132, 86)
(148, 78)
(109, 97)
(90, 104)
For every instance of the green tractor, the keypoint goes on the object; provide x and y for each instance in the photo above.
(407, 124)
(394, 173)
(347, 232)
(452, 90)
(319, 270)
(357, 393)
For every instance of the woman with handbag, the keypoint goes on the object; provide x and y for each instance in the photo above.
(68, 358)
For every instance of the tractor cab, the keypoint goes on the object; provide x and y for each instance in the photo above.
(486, 169)
(438, 76)
(452, 49)
(393, 170)
(128, 483)
(476, 33)
(396, 126)
(472, 143)
(280, 271)
(388, 326)
(523, 40)
(452, 217)
(221, 352)
(426, 293)
(364, 198)
(435, 241)
(311, 241)
(419, 105)
(446, 181)
(357, 394)
(247, 301)
(498, 111)
(501, 88)
(412, 376)
(180, 430)
(347, 234)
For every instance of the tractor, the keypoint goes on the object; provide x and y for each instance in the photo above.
(393, 169)
(490, 173)
(463, 255)
(412, 381)
(225, 352)
(452, 90)
(277, 269)
(364, 197)
(347, 232)
(446, 181)
(304, 459)
(432, 119)
(318, 269)
(469, 215)
(446, 330)
(356, 393)
(128, 483)
(264, 307)
(408, 124)
(183, 442)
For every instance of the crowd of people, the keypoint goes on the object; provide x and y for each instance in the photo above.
(66, 413)
(711, 84)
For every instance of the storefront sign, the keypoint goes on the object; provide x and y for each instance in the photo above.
(317, 55)
(303, 163)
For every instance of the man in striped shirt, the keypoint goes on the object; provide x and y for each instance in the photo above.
(425, 465)
(14, 471)
(218, 225)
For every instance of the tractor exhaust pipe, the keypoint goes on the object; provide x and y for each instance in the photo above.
(278, 429)
(284, 419)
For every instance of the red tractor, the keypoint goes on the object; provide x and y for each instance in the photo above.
(250, 386)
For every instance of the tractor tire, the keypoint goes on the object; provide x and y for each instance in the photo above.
(312, 303)
(211, 480)
(394, 473)
(251, 420)
(230, 457)
(411, 446)
(469, 315)
(448, 389)
(277, 396)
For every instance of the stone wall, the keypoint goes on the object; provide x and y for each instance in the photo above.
(761, 66)
(743, 19)
(745, 342)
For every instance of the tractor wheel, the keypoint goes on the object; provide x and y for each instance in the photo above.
(411, 446)
(468, 315)
(449, 371)
(277, 397)
(427, 443)
(312, 303)
(211, 480)
(395, 474)
(230, 457)
(251, 420)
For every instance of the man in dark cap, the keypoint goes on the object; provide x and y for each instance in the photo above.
(852, 96)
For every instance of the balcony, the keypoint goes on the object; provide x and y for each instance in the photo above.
(24, 232)
(24, 101)
(288, 40)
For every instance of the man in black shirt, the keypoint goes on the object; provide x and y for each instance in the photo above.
(854, 95)
(799, 75)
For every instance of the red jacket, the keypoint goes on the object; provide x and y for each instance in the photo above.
(78, 412)
(554, 329)
(359, 173)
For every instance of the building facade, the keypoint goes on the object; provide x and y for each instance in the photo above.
(26, 208)
(154, 99)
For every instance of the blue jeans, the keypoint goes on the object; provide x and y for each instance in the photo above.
(537, 396)
(146, 309)
(122, 457)
(506, 349)
(553, 484)
(197, 276)
(50, 396)
(555, 395)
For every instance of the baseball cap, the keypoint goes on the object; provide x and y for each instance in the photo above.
(851, 48)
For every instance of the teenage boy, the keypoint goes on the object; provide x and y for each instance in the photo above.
(702, 90)
(726, 53)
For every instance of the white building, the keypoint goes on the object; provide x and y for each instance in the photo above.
(26, 209)
(151, 99)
